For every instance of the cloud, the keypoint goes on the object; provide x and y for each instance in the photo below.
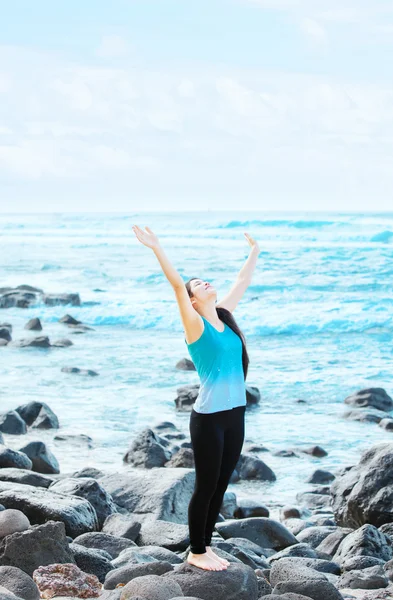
(113, 46)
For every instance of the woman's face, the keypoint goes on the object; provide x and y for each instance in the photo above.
(202, 291)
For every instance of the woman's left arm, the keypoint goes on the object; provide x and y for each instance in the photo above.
(235, 294)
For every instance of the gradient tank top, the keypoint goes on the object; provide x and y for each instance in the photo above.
(217, 357)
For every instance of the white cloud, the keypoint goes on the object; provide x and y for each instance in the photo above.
(113, 46)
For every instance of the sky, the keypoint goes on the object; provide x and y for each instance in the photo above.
(196, 105)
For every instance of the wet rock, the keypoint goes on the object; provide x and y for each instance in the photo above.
(285, 453)
(34, 324)
(172, 536)
(364, 493)
(69, 320)
(19, 583)
(66, 580)
(126, 574)
(373, 397)
(364, 416)
(78, 439)
(122, 526)
(186, 396)
(41, 341)
(25, 476)
(104, 541)
(251, 448)
(229, 505)
(13, 458)
(185, 364)
(288, 575)
(250, 467)
(151, 587)
(62, 343)
(63, 299)
(316, 451)
(12, 423)
(264, 532)
(77, 371)
(246, 545)
(316, 590)
(296, 551)
(152, 494)
(146, 451)
(290, 512)
(3, 342)
(12, 521)
(92, 491)
(183, 458)
(42, 458)
(33, 411)
(38, 546)
(89, 472)
(365, 541)
(386, 424)
(17, 298)
(5, 334)
(237, 582)
(91, 560)
(313, 536)
(29, 288)
(250, 508)
(321, 476)
(41, 505)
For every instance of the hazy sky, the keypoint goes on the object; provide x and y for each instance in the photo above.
(196, 104)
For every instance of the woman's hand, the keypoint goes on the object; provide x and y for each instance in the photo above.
(147, 238)
(252, 243)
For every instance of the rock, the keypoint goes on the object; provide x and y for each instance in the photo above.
(183, 458)
(264, 532)
(364, 493)
(146, 451)
(41, 341)
(12, 521)
(386, 424)
(253, 395)
(329, 545)
(78, 371)
(317, 451)
(229, 505)
(34, 324)
(370, 578)
(365, 541)
(251, 467)
(91, 560)
(238, 582)
(185, 364)
(364, 416)
(285, 453)
(3, 342)
(172, 536)
(78, 439)
(7, 595)
(26, 477)
(234, 554)
(374, 397)
(296, 551)
(288, 575)
(5, 334)
(126, 574)
(246, 545)
(151, 587)
(104, 541)
(19, 583)
(122, 526)
(89, 472)
(32, 411)
(357, 563)
(250, 508)
(66, 580)
(68, 320)
(18, 299)
(186, 396)
(90, 489)
(38, 546)
(13, 458)
(6, 325)
(29, 288)
(316, 590)
(56, 299)
(290, 512)
(42, 458)
(162, 494)
(321, 476)
(255, 448)
(313, 536)
(11, 422)
(41, 505)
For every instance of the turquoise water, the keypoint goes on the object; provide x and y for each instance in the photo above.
(317, 318)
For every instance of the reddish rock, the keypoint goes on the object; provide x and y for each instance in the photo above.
(66, 580)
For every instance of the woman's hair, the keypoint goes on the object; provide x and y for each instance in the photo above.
(227, 317)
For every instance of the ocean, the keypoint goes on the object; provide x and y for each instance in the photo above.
(317, 318)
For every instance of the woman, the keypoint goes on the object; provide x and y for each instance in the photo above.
(218, 349)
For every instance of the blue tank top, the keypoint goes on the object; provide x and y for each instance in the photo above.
(217, 357)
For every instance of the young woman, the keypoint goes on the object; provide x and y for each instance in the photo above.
(218, 350)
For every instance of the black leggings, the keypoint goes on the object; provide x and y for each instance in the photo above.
(217, 440)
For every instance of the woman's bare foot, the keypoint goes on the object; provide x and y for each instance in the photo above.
(205, 561)
(211, 553)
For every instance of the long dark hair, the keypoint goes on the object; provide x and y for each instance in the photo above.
(227, 317)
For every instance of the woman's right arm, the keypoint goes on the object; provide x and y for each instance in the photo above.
(192, 321)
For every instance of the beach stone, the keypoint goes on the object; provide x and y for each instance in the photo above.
(29, 288)
(41, 341)
(14, 459)
(78, 371)
(69, 320)
(238, 582)
(152, 494)
(287, 575)
(290, 512)
(12, 521)
(316, 590)
(78, 439)
(19, 583)
(37, 546)
(246, 545)
(89, 472)
(172, 536)
(364, 493)
(313, 536)
(122, 526)
(146, 451)
(370, 578)
(132, 556)
(183, 458)
(126, 574)
(17, 298)
(364, 416)
(285, 453)
(251, 467)
(32, 410)
(42, 458)
(263, 531)
(288, 596)
(57, 299)
(41, 505)
(104, 541)
(233, 553)
(297, 550)
(357, 563)
(25, 476)
(253, 395)
(3, 342)
(248, 508)
(7, 595)
(374, 397)
(296, 525)
(318, 564)
(185, 364)
(34, 324)
(329, 545)
(11, 422)
(158, 553)
(62, 343)
(229, 505)
(91, 560)
(321, 476)
(5, 334)
(365, 541)
(151, 587)
(386, 424)
(66, 580)
(316, 451)
(91, 490)
(186, 396)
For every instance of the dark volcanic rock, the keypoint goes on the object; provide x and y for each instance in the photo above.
(91, 561)
(250, 508)
(264, 532)
(41, 341)
(151, 587)
(104, 541)
(25, 476)
(321, 476)
(147, 451)
(77, 371)
(17, 298)
(183, 458)
(68, 320)
(251, 467)
(126, 574)
(122, 526)
(373, 397)
(19, 583)
(172, 536)
(185, 364)
(12, 521)
(38, 415)
(14, 459)
(34, 324)
(365, 541)
(56, 299)
(38, 546)
(42, 458)
(12, 423)
(5, 334)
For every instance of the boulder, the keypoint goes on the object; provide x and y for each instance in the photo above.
(41, 341)
(172, 536)
(313, 536)
(373, 397)
(251, 467)
(151, 587)
(42, 458)
(41, 505)
(152, 494)
(5, 334)
(19, 583)
(185, 364)
(365, 541)
(122, 526)
(104, 541)
(12, 521)
(62, 343)
(33, 411)
(91, 560)
(66, 580)
(183, 458)
(78, 371)
(321, 476)
(126, 574)
(38, 546)
(34, 324)
(264, 532)
(329, 545)
(248, 508)
(69, 320)
(61, 299)
(147, 451)
(364, 416)
(370, 578)
(25, 476)
(11, 422)
(288, 575)
(17, 298)
(14, 459)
